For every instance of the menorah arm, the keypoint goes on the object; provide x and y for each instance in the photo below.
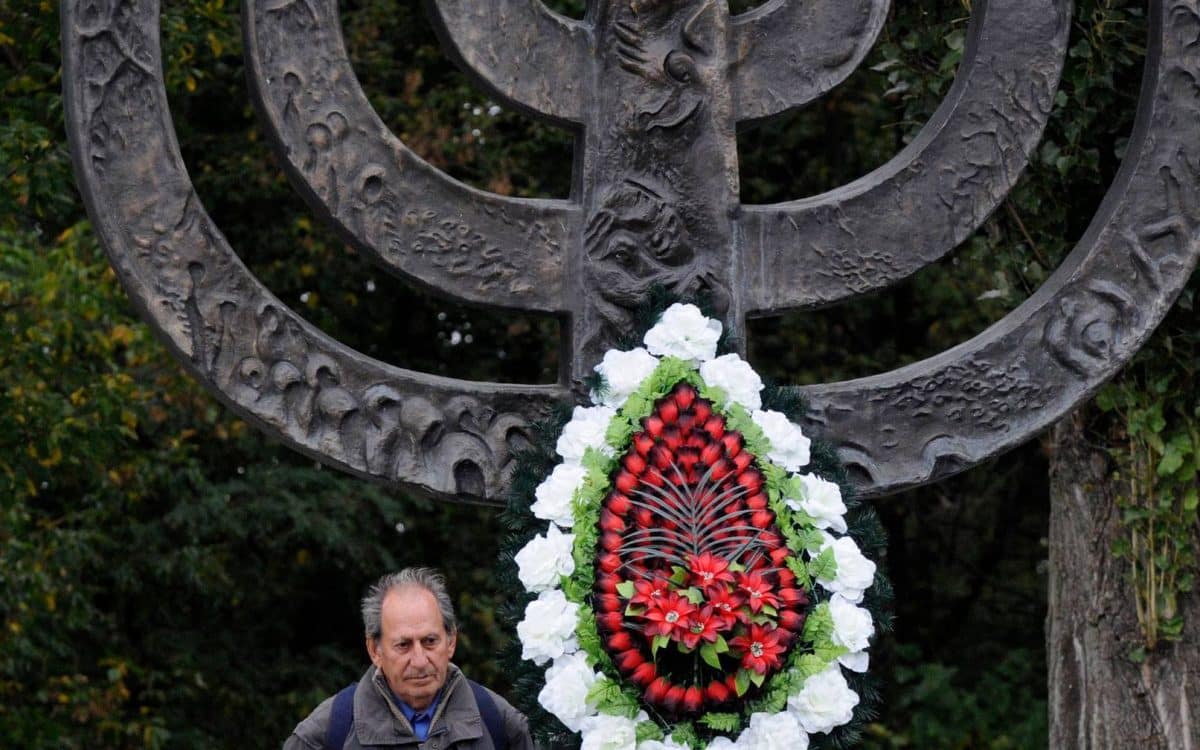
(786, 53)
(521, 51)
(403, 213)
(931, 196)
(934, 418)
(433, 435)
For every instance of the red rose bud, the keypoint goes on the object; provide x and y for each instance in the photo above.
(606, 583)
(693, 700)
(660, 456)
(792, 597)
(642, 443)
(761, 519)
(715, 427)
(716, 693)
(751, 479)
(710, 453)
(732, 442)
(610, 521)
(779, 555)
(770, 539)
(644, 674)
(731, 683)
(701, 411)
(786, 577)
(627, 661)
(643, 517)
(672, 437)
(791, 620)
(668, 410)
(620, 641)
(634, 464)
(613, 622)
(656, 691)
(618, 503)
(742, 461)
(757, 501)
(684, 395)
(654, 477)
(609, 562)
(626, 482)
(674, 698)
(609, 603)
(722, 469)
(687, 458)
(653, 425)
(610, 542)
(686, 420)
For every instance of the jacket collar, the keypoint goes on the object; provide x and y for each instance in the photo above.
(378, 721)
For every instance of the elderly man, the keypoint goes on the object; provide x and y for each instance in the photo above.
(412, 696)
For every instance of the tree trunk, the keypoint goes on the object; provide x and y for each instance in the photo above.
(1099, 698)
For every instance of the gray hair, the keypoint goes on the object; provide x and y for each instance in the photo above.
(426, 578)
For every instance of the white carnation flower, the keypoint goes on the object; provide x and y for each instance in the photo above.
(554, 494)
(607, 732)
(735, 376)
(822, 500)
(585, 430)
(789, 446)
(855, 573)
(568, 681)
(544, 559)
(852, 628)
(684, 332)
(825, 702)
(623, 372)
(721, 743)
(778, 731)
(548, 630)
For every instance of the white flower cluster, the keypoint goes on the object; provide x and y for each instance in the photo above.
(547, 632)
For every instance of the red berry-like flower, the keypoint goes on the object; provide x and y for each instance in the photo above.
(758, 591)
(761, 648)
(669, 616)
(709, 571)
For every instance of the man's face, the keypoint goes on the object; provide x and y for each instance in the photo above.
(413, 650)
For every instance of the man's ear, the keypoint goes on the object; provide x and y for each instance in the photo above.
(453, 642)
(373, 650)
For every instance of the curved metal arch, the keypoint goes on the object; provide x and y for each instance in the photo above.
(937, 417)
(433, 435)
(786, 53)
(522, 52)
(890, 223)
(387, 201)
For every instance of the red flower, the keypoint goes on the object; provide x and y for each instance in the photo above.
(725, 606)
(693, 700)
(644, 675)
(762, 649)
(648, 592)
(709, 571)
(716, 693)
(702, 626)
(669, 616)
(757, 590)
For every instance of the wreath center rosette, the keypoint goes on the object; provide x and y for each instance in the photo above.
(691, 587)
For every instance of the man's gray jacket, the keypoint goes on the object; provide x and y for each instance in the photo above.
(378, 721)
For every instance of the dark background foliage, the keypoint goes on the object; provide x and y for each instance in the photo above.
(170, 579)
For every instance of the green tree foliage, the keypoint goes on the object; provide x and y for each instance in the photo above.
(167, 579)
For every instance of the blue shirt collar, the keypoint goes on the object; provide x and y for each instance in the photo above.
(419, 720)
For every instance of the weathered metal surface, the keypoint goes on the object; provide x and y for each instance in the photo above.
(657, 88)
(921, 204)
(435, 435)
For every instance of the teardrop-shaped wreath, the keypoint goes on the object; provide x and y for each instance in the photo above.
(703, 597)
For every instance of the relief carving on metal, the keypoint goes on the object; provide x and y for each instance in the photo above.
(656, 90)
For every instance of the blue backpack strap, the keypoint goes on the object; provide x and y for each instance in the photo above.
(490, 715)
(341, 718)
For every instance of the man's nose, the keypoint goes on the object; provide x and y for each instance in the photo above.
(419, 657)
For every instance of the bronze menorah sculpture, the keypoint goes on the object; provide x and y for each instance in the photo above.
(656, 90)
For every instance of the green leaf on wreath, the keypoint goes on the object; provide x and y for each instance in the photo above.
(659, 642)
(679, 575)
(767, 609)
(808, 665)
(721, 721)
(609, 698)
(684, 733)
(647, 730)
(619, 431)
(741, 682)
(721, 645)
(824, 567)
(634, 611)
(819, 625)
(800, 570)
(626, 589)
(757, 678)
(708, 652)
(694, 595)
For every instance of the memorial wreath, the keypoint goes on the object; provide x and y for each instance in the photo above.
(697, 585)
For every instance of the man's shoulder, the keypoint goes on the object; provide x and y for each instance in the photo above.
(513, 722)
(310, 733)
